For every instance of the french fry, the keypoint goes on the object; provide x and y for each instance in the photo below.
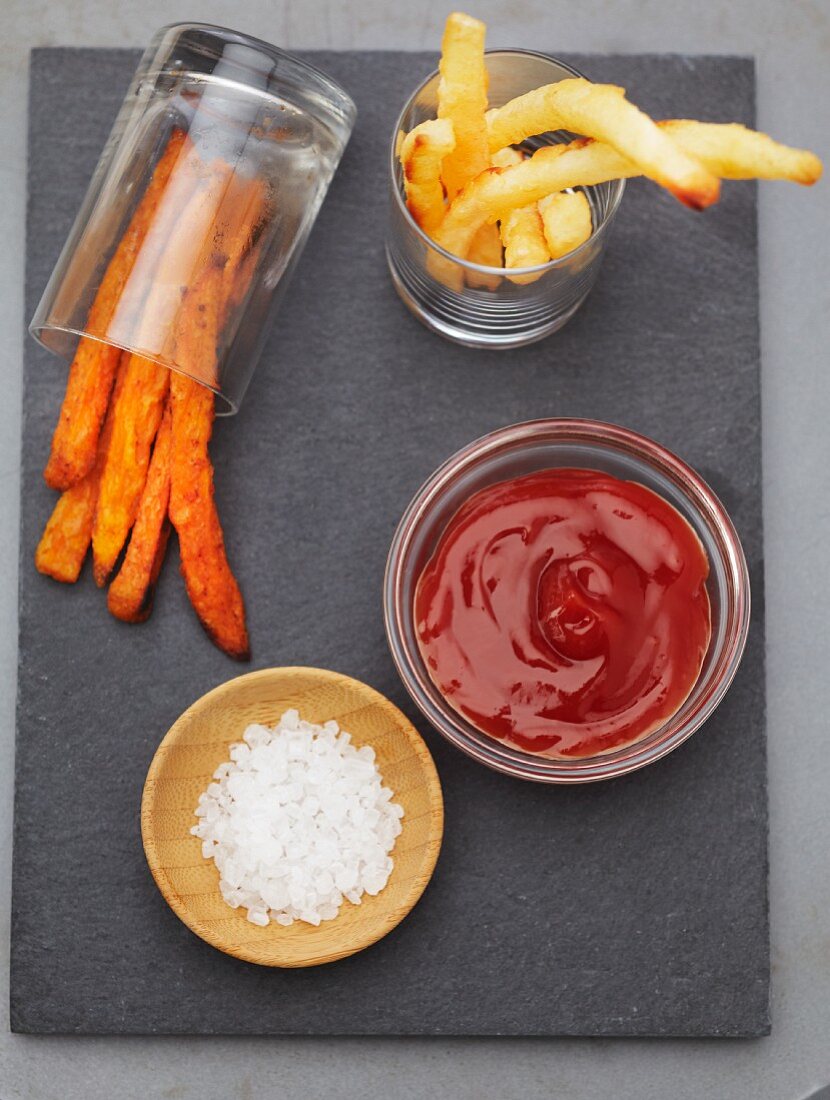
(462, 98)
(487, 244)
(496, 191)
(585, 163)
(602, 112)
(64, 543)
(211, 586)
(137, 413)
(486, 250)
(238, 223)
(734, 152)
(75, 440)
(521, 229)
(524, 241)
(566, 221)
(130, 596)
(505, 158)
(421, 153)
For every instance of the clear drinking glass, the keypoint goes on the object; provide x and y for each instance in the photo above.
(475, 305)
(224, 128)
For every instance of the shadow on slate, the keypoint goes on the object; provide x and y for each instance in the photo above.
(635, 907)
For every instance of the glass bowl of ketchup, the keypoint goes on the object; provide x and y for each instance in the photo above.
(566, 600)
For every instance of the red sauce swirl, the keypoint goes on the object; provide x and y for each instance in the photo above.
(565, 612)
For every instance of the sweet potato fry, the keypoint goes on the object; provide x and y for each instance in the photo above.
(238, 236)
(130, 595)
(137, 413)
(566, 221)
(65, 540)
(193, 244)
(75, 440)
(601, 111)
(62, 548)
(176, 260)
(211, 586)
(462, 98)
(228, 255)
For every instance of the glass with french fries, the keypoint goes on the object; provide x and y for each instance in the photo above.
(201, 203)
(222, 138)
(473, 299)
(507, 168)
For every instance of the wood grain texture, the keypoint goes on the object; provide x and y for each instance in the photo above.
(200, 740)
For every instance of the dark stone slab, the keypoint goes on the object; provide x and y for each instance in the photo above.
(635, 907)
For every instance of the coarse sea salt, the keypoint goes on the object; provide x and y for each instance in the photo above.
(297, 821)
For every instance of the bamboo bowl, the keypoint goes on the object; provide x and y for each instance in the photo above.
(200, 740)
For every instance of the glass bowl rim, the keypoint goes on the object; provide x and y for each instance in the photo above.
(494, 754)
(617, 186)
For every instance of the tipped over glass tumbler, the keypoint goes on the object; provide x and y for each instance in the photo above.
(489, 307)
(218, 161)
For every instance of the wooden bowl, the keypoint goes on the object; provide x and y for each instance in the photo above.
(200, 740)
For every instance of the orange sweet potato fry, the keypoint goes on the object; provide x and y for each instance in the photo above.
(190, 246)
(75, 441)
(211, 586)
(66, 538)
(222, 283)
(244, 245)
(130, 595)
(183, 245)
(231, 252)
(137, 413)
(246, 204)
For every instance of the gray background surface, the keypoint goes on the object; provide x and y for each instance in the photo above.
(792, 44)
(605, 909)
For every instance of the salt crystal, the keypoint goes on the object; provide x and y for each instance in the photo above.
(297, 821)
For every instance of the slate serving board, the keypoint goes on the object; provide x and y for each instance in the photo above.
(634, 907)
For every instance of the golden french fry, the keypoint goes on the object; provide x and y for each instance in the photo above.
(487, 244)
(497, 191)
(504, 158)
(566, 221)
(734, 152)
(524, 241)
(521, 229)
(602, 112)
(421, 153)
(585, 163)
(485, 250)
(486, 247)
(462, 98)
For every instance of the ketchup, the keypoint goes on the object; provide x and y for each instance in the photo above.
(565, 612)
